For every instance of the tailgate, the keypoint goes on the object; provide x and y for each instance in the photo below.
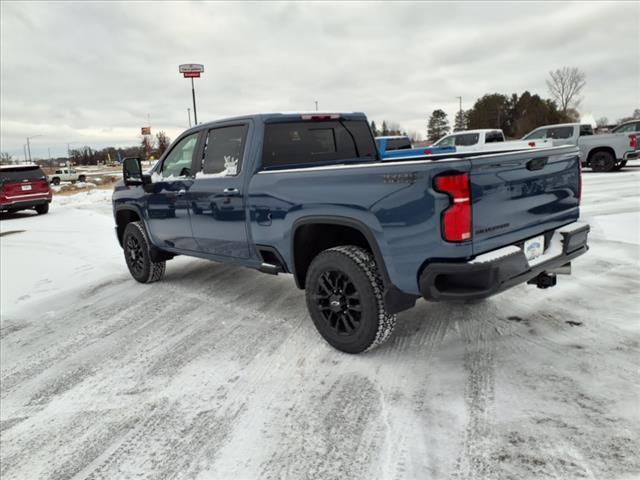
(518, 195)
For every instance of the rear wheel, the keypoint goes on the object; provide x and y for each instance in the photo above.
(344, 294)
(602, 162)
(55, 181)
(42, 209)
(138, 256)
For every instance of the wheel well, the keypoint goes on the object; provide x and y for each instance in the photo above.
(601, 149)
(311, 239)
(123, 217)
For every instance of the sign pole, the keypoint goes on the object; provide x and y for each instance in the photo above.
(193, 94)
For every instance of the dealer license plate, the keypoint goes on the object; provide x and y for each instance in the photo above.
(534, 247)
(26, 187)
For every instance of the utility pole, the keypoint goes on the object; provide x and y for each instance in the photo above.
(24, 147)
(29, 145)
(316, 105)
(189, 115)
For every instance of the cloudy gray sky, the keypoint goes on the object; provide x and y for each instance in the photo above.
(91, 72)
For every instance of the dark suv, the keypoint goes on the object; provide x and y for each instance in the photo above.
(24, 187)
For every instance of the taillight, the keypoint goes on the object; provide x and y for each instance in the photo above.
(456, 219)
(321, 116)
(633, 141)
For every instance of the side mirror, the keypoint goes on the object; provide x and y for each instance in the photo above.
(132, 172)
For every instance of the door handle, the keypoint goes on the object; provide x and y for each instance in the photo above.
(231, 191)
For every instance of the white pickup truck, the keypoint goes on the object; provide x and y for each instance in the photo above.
(66, 175)
(603, 153)
(486, 140)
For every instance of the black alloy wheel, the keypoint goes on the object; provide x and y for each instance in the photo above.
(339, 302)
(134, 255)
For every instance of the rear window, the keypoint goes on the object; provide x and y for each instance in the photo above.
(17, 174)
(398, 144)
(586, 130)
(301, 143)
(492, 137)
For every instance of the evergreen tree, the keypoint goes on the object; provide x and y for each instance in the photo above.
(460, 121)
(438, 125)
(385, 129)
(374, 129)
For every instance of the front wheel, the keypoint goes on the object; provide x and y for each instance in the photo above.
(137, 254)
(344, 295)
(82, 178)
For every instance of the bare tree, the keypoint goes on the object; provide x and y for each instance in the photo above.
(162, 142)
(602, 122)
(6, 158)
(565, 85)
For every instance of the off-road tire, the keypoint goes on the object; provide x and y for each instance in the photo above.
(602, 162)
(136, 247)
(42, 209)
(374, 324)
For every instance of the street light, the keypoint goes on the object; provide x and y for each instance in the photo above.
(29, 145)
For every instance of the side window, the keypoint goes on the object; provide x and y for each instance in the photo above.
(298, 143)
(223, 150)
(537, 134)
(560, 132)
(178, 162)
(467, 139)
(446, 142)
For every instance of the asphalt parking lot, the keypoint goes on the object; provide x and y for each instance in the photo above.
(217, 372)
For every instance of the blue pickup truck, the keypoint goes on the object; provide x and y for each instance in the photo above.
(399, 147)
(307, 194)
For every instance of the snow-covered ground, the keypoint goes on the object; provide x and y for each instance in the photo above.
(218, 373)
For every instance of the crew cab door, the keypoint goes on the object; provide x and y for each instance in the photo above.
(216, 197)
(166, 203)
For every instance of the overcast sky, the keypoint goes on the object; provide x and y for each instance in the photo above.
(89, 73)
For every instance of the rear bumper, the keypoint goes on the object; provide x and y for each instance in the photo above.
(24, 203)
(501, 269)
(634, 155)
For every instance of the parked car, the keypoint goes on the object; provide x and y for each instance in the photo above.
(398, 147)
(485, 140)
(66, 175)
(24, 187)
(627, 127)
(603, 153)
(307, 194)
